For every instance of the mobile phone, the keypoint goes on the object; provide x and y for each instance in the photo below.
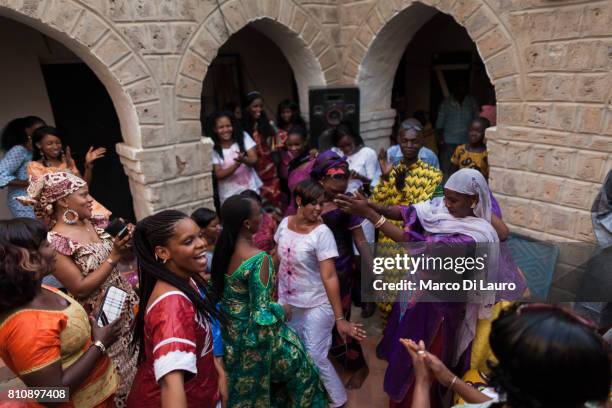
(117, 228)
(112, 305)
(123, 233)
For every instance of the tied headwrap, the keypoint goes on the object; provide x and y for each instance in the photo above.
(326, 161)
(436, 219)
(47, 189)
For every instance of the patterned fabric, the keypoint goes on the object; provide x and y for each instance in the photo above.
(395, 156)
(405, 186)
(49, 188)
(265, 361)
(88, 257)
(349, 354)
(32, 339)
(176, 338)
(13, 166)
(37, 169)
(454, 118)
(264, 237)
(326, 161)
(266, 170)
(464, 158)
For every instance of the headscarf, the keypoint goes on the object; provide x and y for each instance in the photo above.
(601, 213)
(326, 162)
(47, 189)
(436, 219)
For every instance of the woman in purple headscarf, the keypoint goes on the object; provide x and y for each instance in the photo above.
(332, 172)
(465, 216)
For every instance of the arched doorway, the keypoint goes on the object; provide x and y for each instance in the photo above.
(441, 50)
(47, 79)
(382, 41)
(248, 61)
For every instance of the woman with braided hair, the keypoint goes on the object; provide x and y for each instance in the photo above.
(173, 329)
(266, 362)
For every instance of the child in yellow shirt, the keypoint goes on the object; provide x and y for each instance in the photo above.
(473, 154)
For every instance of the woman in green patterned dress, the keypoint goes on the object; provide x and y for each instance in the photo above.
(265, 360)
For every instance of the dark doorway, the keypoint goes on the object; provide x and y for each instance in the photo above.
(85, 114)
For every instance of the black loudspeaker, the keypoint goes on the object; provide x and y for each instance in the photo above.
(328, 108)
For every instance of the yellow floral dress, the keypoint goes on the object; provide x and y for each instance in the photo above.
(405, 185)
(266, 363)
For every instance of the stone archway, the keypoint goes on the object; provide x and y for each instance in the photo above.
(124, 75)
(305, 44)
(383, 36)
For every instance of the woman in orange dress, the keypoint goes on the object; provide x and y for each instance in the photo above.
(255, 122)
(49, 157)
(45, 336)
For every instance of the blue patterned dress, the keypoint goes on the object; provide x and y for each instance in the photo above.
(14, 166)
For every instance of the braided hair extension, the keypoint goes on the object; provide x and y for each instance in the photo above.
(152, 231)
(234, 211)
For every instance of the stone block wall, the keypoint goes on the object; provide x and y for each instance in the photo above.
(550, 62)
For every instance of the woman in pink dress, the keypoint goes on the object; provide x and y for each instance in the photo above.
(176, 363)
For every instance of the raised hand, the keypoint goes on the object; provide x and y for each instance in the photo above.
(356, 205)
(93, 155)
(385, 166)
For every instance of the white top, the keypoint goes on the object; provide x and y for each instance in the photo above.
(244, 178)
(299, 276)
(364, 162)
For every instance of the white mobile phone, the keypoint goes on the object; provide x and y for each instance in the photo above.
(112, 305)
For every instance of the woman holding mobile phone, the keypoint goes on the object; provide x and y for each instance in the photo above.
(86, 257)
(45, 336)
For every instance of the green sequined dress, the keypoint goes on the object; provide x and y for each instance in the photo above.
(266, 363)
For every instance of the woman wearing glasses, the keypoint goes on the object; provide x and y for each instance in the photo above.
(546, 357)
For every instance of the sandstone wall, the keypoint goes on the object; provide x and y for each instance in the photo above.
(549, 60)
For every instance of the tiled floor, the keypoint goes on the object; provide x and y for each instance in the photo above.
(370, 395)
